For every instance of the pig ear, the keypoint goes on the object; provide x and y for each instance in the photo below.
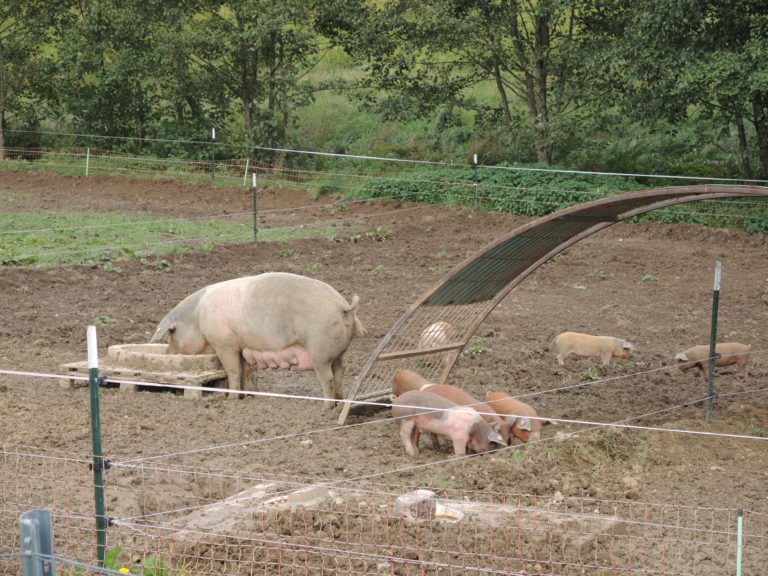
(496, 438)
(524, 424)
(682, 357)
(163, 328)
(547, 422)
(626, 345)
(496, 426)
(511, 420)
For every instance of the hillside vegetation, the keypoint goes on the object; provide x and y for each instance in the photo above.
(648, 88)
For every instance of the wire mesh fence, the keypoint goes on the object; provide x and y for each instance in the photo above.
(351, 190)
(173, 519)
(526, 191)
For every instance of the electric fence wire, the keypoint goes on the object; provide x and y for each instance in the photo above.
(379, 158)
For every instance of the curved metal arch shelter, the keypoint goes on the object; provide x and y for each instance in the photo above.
(464, 297)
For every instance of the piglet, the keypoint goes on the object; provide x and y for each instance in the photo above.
(436, 335)
(730, 353)
(519, 416)
(426, 412)
(603, 347)
(407, 380)
(462, 398)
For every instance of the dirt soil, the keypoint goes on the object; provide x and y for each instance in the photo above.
(648, 283)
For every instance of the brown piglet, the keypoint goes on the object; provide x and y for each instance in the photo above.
(519, 416)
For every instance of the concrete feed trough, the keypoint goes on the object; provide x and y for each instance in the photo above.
(150, 363)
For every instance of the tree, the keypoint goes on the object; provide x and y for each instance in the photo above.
(258, 53)
(659, 59)
(106, 81)
(24, 28)
(427, 54)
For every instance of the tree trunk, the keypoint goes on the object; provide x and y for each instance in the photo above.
(760, 113)
(541, 47)
(746, 166)
(502, 92)
(531, 73)
(2, 134)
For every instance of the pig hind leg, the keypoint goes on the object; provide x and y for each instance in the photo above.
(337, 367)
(742, 365)
(409, 433)
(325, 375)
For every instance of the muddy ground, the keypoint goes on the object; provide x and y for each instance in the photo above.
(648, 283)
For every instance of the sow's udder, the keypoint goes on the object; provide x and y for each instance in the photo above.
(293, 355)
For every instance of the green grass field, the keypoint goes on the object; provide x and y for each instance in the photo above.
(57, 238)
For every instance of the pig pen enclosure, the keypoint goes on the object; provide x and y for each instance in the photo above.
(273, 485)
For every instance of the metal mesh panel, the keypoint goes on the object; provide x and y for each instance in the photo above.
(466, 295)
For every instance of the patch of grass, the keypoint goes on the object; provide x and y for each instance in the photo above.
(315, 266)
(55, 238)
(445, 482)
(103, 320)
(380, 233)
(379, 268)
(740, 333)
(650, 278)
(518, 453)
(590, 373)
(753, 430)
(151, 566)
(611, 445)
(9, 198)
(477, 348)
(337, 207)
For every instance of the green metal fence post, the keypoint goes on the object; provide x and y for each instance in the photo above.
(98, 461)
(739, 538)
(713, 343)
